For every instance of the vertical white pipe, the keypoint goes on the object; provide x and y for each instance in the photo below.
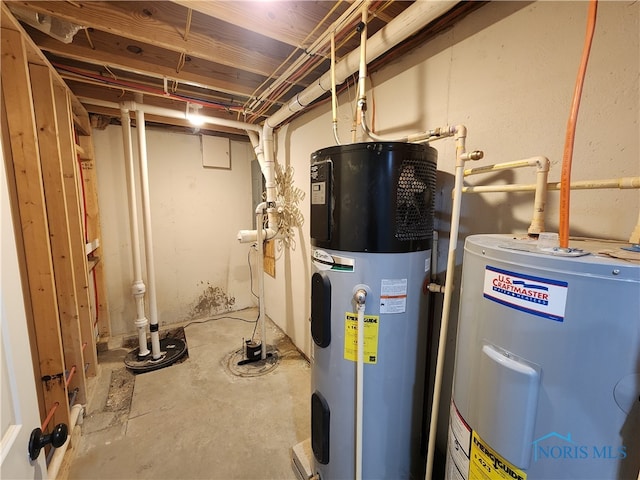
(137, 287)
(148, 235)
(263, 328)
(362, 72)
(540, 197)
(334, 96)
(269, 172)
(263, 333)
(360, 298)
(461, 134)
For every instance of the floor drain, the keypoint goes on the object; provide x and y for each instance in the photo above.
(251, 369)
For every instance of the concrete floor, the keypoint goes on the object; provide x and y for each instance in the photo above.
(197, 419)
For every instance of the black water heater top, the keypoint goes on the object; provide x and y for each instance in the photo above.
(373, 197)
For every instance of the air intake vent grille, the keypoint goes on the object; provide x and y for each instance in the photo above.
(414, 196)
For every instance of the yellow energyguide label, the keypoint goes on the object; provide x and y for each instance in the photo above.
(486, 464)
(370, 337)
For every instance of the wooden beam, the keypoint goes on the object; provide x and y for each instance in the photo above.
(158, 68)
(70, 167)
(157, 23)
(56, 201)
(17, 96)
(287, 22)
(93, 232)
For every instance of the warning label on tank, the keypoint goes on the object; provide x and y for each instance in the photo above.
(544, 297)
(459, 445)
(370, 337)
(486, 464)
(393, 295)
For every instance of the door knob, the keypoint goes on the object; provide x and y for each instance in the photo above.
(37, 440)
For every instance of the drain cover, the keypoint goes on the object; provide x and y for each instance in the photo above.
(237, 366)
(172, 350)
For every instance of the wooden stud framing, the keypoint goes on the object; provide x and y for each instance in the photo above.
(56, 205)
(17, 95)
(39, 117)
(76, 228)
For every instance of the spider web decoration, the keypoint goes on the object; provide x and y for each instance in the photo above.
(288, 197)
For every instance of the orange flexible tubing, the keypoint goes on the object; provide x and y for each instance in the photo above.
(46, 421)
(567, 156)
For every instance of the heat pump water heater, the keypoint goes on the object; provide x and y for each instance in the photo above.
(547, 374)
(371, 228)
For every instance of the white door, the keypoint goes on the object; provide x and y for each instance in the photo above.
(18, 402)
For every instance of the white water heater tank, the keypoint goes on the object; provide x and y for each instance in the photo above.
(547, 373)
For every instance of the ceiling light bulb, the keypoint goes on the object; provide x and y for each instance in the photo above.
(193, 114)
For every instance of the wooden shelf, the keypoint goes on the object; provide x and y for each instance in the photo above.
(92, 262)
(82, 153)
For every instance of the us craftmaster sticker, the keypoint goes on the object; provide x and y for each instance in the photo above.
(544, 297)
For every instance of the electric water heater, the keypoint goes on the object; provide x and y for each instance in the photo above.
(547, 373)
(372, 210)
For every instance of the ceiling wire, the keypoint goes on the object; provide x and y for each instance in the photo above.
(86, 32)
(187, 27)
(181, 62)
(313, 62)
(345, 34)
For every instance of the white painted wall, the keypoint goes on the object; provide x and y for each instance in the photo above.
(507, 72)
(201, 269)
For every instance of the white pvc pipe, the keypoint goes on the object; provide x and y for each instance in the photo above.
(419, 137)
(621, 183)
(461, 134)
(360, 298)
(261, 296)
(334, 95)
(137, 287)
(148, 235)
(362, 69)
(58, 455)
(540, 198)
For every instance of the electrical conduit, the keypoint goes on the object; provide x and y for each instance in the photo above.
(567, 157)
(137, 287)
